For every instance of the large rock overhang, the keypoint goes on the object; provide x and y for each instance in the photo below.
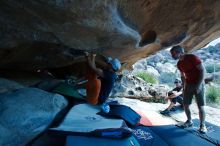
(40, 34)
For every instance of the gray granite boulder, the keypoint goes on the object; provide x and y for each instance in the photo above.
(25, 113)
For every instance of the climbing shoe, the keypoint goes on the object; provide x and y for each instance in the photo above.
(202, 129)
(187, 124)
(165, 112)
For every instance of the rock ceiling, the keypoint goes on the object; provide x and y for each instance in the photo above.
(38, 34)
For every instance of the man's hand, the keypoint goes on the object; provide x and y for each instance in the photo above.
(174, 92)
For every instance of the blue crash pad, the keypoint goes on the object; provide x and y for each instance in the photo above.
(175, 136)
(95, 141)
(147, 137)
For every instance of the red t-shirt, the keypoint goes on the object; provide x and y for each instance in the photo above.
(188, 67)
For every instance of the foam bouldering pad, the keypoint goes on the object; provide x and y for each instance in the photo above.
(175, 136)
(82, 119)
(212, 135)
(147, 137)
(68, 90)
(95, 141)
(123, 112)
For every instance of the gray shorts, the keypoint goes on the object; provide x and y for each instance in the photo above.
(190, 91)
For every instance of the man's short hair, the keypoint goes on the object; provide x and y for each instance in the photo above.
(177, 48)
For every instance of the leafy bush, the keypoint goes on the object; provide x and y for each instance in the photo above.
(212, 67)
(213, 94)
(147, 77)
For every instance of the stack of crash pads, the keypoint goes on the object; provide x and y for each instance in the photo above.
(83, 120)
(85, 126)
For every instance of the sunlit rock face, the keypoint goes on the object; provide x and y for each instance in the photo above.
(40, 34)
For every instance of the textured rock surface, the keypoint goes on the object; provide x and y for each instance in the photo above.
(27, 112)
(40, 34)
(131, 86)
